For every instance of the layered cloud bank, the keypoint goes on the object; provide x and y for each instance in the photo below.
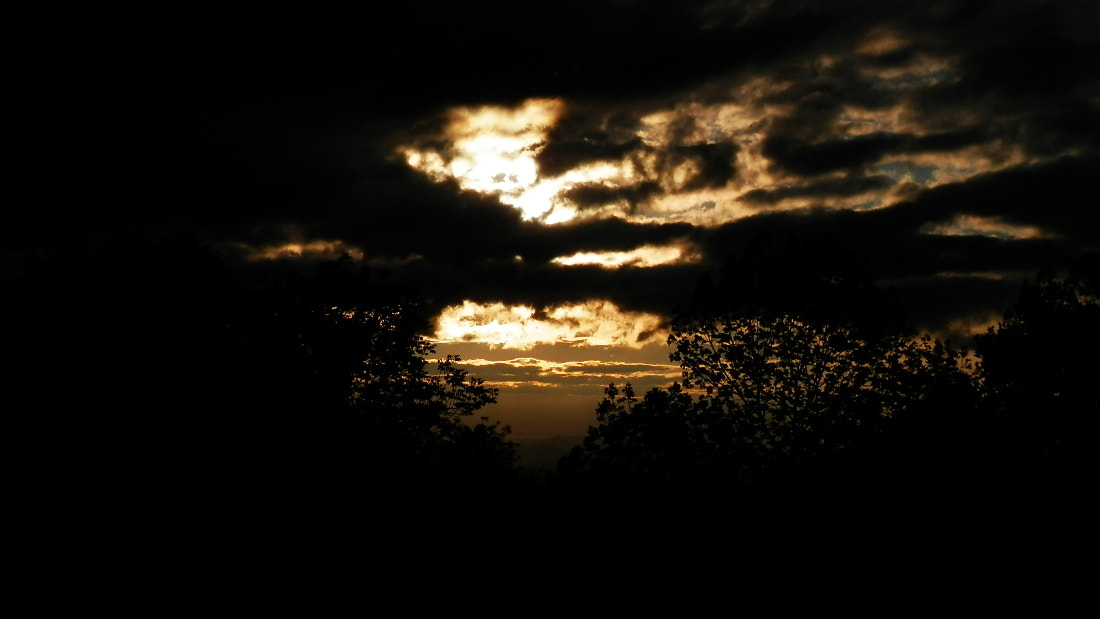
(577, 153)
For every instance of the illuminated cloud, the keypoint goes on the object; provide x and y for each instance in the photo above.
(920, 70)
(707, 160)
(940, 168)
(975, 225)
(325, 250)
(492, 150)
(996, 276)
(520, 327)
(644, 256)
(882, 40)
(580, 370)
(522, 384)
(689, 151)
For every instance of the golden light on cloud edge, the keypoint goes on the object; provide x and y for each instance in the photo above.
(562, 373)
(976, 225)
(880, 41)
(566, 368)
(316, 248)
(521, 327)
(644, 256)
(493, 149)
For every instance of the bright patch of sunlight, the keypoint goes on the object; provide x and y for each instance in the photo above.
(492, 149)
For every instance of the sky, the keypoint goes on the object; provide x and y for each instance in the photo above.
(555, 178)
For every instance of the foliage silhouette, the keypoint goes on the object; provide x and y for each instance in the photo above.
(792, 390)
(1038, 367)
(153, 368)
(349, 398)
(650, 445)
(800, 379)
(781, 404)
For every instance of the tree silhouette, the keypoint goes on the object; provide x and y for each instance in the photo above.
(154, 370)
(349, 397)
(790, 387)
(657, 443)
(798, 379)
(1038, 367)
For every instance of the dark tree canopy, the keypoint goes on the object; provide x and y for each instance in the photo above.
(795, 389)
(787, 372)
(1038, 368)
(149, 368)
(807, 398)
(761, 401)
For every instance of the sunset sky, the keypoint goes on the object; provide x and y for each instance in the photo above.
(553, 178)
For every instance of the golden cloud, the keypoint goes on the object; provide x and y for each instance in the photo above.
(493, 149)
(317, 249)
(510, 373)
(976, 225)
(582, 367)
(521, 327)
(644, 256)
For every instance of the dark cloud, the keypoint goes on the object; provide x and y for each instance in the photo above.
(796, 156)
(713, 166)
(716, 164)
(586, 136)
(592, 195)
(558, 157)
(611, 234)
(1052, 196)
(267, 128)
(845, 186)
